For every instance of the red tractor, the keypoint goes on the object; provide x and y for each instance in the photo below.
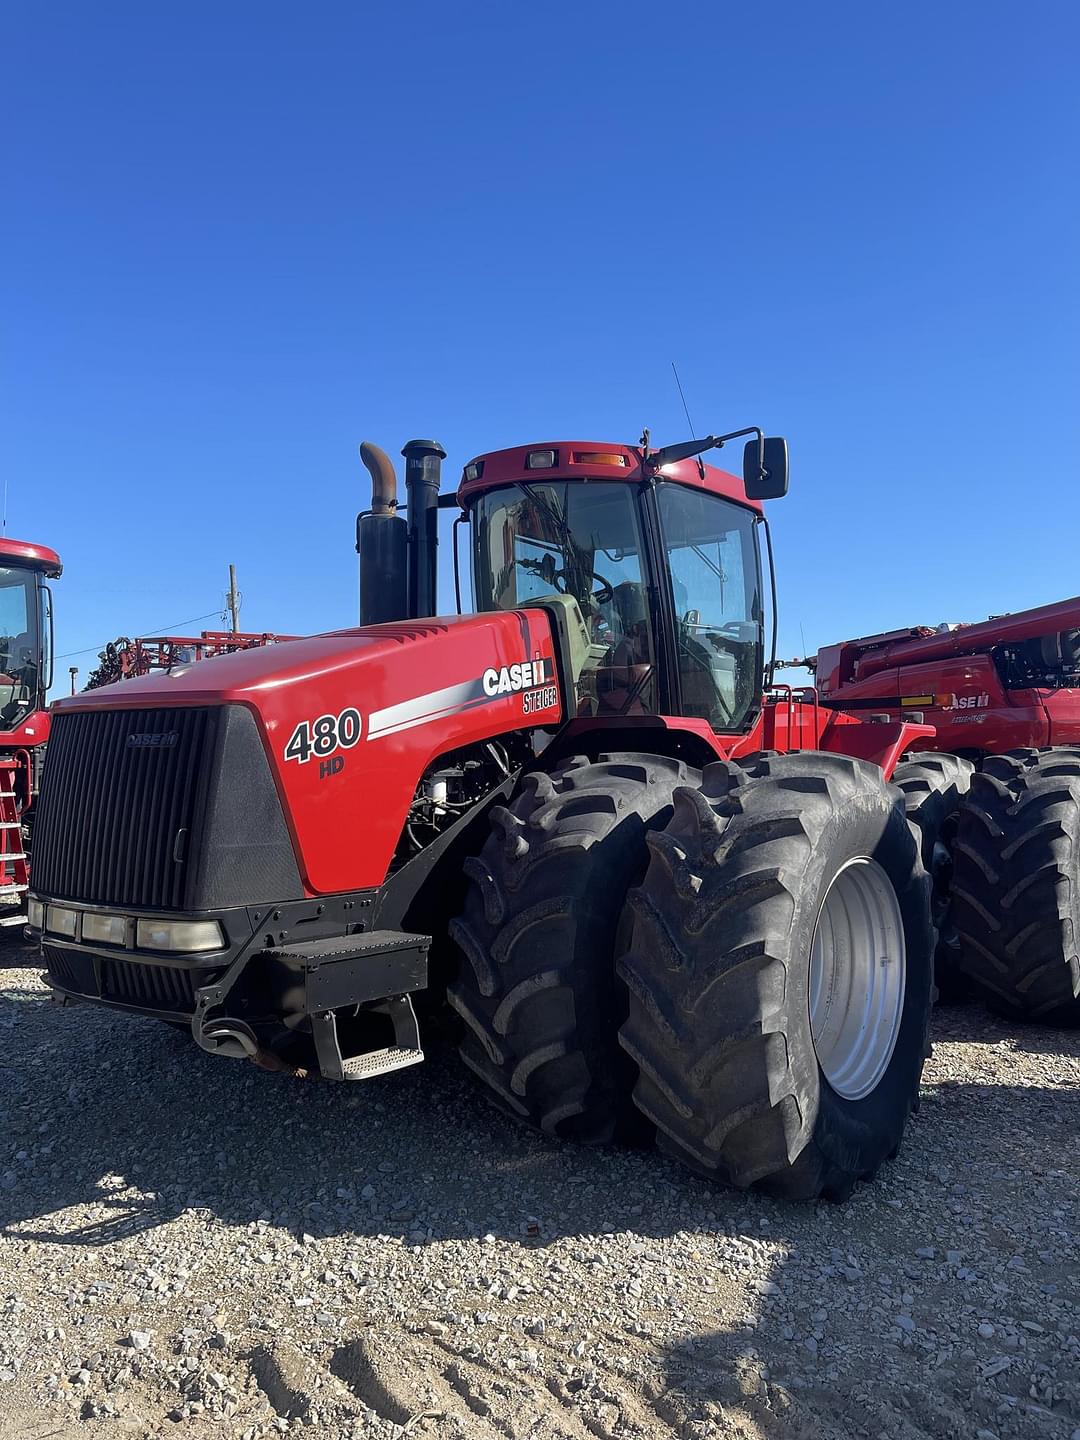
(996, 791)
(661, 895)
(25, 676)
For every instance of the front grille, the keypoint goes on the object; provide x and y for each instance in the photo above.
(138, 983)
(71, 971)
(119, 802)
(150, 987)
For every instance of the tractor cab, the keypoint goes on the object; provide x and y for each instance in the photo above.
(647, 560)
(25, 639)
(656, 569)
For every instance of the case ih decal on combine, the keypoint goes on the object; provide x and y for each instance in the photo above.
(655, 890)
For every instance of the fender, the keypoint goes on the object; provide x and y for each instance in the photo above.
(883, 743)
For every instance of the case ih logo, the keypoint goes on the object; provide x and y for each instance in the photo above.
(969, 702)
(164, 741)
(518, 677)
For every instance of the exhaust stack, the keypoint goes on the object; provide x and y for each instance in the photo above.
(423, 466)
(382, 544)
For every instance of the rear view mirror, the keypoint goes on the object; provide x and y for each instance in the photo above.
(765, 468)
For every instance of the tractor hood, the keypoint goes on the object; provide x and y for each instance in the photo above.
(351, 720)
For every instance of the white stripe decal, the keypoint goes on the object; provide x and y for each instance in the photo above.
(422, 708)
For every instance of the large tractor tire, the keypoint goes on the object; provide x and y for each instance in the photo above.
(934, 785)
(536, 982)
(780, 971)
(1016, 885)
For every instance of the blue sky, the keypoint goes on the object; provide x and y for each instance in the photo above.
(240, 238)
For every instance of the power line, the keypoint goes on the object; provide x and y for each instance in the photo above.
(160, 629)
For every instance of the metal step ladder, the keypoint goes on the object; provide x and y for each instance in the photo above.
(405, 1050)
(14, 869)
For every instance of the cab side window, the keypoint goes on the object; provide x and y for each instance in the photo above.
(712, 557)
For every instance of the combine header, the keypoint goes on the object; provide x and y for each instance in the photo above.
(661, 894)
(162, 652)
(997, 800)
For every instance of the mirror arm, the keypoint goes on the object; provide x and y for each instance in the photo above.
(462, 519)
(670, 453)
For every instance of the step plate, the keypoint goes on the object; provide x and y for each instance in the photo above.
(378, 1062)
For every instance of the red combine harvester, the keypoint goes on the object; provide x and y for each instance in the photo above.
(25, 675)
(661, 894)
(151, 653)
(998, 800)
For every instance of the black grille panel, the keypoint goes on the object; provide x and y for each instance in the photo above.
(71, 971)
(151, 987)
(137, 983)
(120, 800)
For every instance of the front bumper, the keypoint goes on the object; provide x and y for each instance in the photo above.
(303, 976)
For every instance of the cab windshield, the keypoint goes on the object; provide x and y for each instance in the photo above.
(578, 545)
(20, 645)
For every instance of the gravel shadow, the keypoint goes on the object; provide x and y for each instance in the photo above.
(140, 1127)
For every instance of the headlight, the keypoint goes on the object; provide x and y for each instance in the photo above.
(185, 935)
(59, 921)
(35, 914)
(109, 929)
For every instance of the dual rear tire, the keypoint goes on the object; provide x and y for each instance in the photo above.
(934, 786)
(742, 961)
(779, 972)
(1016, 885)
(535, 988)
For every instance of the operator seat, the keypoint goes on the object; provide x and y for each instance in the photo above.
(17, 677)
(622, 681)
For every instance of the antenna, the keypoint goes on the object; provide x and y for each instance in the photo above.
(682, 397)
(686, 412)
(4, 529)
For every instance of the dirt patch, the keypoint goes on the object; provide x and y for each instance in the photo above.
(190, 1246)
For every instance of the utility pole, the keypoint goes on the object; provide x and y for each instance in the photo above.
(233, 600)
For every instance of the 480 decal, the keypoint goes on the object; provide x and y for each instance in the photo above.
(323, 736)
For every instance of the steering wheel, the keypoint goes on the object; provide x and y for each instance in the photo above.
(603, 596)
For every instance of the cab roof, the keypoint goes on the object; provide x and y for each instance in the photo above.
(33, 557)
(591, 460)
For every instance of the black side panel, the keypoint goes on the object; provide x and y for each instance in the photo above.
(246, 857)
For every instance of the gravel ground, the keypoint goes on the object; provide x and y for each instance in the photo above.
(190, 1246)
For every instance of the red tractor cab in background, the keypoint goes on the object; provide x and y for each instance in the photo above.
(26, 664)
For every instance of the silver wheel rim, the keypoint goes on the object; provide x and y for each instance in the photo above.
(858, 963)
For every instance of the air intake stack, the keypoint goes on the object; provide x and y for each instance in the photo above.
(423, 467)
